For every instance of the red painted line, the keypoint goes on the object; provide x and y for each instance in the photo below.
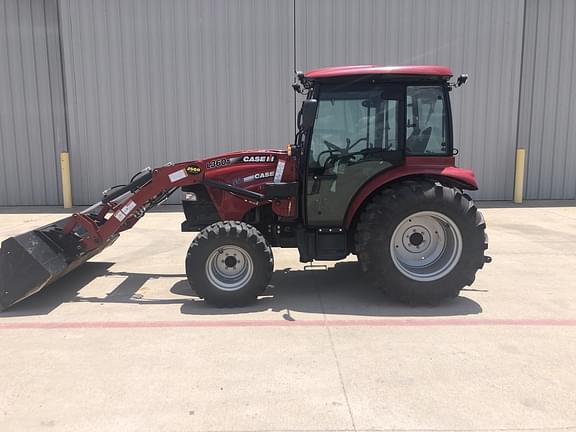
(399, 322)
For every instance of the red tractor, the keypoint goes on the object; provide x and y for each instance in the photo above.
(372, 173)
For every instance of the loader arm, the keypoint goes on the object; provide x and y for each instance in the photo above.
(33, 260)
(121, 211)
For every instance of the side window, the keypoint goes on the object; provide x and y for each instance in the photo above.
(353, 126)
(426, 121)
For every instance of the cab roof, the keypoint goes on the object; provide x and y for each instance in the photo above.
(343, 71)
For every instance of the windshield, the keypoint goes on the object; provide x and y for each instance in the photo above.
(354, 122)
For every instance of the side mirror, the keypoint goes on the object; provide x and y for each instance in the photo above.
(308, 114)
(461, 80)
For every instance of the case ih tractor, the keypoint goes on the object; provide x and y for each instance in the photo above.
(372, 173)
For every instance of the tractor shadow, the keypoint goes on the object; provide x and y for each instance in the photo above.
(340, 290)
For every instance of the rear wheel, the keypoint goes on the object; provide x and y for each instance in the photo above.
(229, 264)
(421, 242)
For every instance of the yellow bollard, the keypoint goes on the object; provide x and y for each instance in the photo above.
(519, 175)
(66, 181)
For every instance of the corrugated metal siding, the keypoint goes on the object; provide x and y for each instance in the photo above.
(32, 126)
(547, 126)
(151, 81)
(482, 38)
(155, 81)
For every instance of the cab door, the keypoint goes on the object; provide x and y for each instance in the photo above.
(356, 135)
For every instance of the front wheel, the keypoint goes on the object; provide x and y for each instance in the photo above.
(421, 241)
(229, 264)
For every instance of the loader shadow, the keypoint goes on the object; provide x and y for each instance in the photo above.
(63, 291)
(338, 290)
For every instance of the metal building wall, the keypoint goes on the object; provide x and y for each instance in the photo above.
(547, 126)
(148, 81)
(479, 37)
(153, 81)
(32, 125)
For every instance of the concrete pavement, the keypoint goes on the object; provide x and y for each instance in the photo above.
(122, 344)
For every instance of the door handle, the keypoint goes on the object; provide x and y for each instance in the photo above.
(315, 186)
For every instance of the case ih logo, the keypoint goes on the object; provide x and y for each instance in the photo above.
(258, 176)
(258, 159)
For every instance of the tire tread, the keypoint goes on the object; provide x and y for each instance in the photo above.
(218, 234)
(374, 230)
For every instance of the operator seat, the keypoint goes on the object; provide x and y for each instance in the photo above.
(418, 141)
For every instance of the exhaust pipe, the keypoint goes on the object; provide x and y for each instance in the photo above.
(33, 260)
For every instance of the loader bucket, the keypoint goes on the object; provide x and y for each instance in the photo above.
(33, 260)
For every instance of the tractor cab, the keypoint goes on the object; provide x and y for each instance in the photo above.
(361, 122)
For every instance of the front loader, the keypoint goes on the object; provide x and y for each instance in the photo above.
(372, 173)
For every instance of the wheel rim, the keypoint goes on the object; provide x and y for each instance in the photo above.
(426, 246)
(229, 268)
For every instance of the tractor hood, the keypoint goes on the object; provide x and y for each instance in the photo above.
(230, 178)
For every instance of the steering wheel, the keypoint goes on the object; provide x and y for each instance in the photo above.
(333, 147)
(330, 154)
(338, 154)
(334, 159)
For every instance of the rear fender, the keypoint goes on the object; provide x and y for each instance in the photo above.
(458, 177)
